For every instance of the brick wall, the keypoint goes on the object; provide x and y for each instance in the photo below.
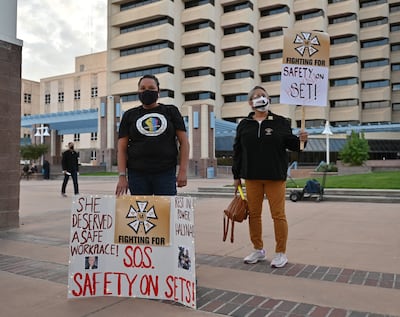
(10, 123)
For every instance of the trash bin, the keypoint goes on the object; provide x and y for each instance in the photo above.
(210, 172)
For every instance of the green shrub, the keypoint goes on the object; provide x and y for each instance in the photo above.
(327, 168)
(355, 151)
(224, 161)
(33, 151)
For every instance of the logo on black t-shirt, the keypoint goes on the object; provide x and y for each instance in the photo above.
(152, 124)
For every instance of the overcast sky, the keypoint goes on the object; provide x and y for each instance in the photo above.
(54, 32)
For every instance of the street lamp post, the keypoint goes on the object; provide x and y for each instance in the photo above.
(42, 131)
(327, 131)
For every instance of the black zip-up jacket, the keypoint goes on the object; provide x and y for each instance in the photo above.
(69, 161)
(259, 150)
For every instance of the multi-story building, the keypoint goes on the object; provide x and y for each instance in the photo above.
(30, 105)
(208, 52)
(65, 98)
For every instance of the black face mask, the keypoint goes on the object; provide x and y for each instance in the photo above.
(148, 97)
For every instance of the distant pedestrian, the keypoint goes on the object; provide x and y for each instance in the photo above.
(46, 169)
(34, 168)
(70, 167)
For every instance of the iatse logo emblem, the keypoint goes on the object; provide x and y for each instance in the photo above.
(268, 131)
(142, 217)
(306, 43)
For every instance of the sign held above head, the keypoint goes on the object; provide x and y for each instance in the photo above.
(305, 66)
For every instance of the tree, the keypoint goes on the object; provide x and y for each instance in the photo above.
(33, 151)
(355, 151)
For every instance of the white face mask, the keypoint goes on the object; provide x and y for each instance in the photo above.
(261, 104)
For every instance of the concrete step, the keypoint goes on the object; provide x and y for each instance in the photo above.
(330, 194)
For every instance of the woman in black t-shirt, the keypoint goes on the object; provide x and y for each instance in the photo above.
(149, 136)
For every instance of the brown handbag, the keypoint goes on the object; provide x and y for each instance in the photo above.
(237, 211)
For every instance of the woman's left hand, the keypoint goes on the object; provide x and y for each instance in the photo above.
(303, 136)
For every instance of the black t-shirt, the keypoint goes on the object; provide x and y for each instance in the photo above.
(152, 146)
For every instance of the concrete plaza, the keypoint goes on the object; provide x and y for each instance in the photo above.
(344, 260)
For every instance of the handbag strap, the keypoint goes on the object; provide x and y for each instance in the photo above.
(226, 228)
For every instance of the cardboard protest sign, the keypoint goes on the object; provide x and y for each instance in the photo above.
(133, 246)
(305, 66)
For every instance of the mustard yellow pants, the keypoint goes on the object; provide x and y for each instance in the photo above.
(275, 192)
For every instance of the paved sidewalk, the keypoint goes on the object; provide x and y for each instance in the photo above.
(344, 260)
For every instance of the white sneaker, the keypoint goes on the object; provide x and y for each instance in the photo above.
(254, 257)
(279, 260)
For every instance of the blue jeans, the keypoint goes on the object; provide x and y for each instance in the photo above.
(160, 184)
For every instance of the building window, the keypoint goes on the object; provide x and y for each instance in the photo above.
(275, 99)
(148, 71)
(395, 87)
(342, 18)
(238, 29)
(375, 104)
(239, 75)
(77, 137)
(275, 10)
(343, 82)
(395, 47)
(199, 49)
(200, 96)
(47, 99)
(271, 55)
(309, 15)
(196, 3)
(271, 77)
(60, 97)
(165, 93)
(77, 94)
(146, 24)
(369, 23)
(93, 155)
(27, 98)
(343, 60)
(394, 27)
(200, 72)
(146, 48)
(375, 63)
(395, 67)
(343, 39)
(199, 25)
(239, 52)
(343, 103)
(238, 6)
(375, 84)
(373, 43)
(396, 106)
(394, 7)
(235, 98)
(369, 3)
(271, 33)
(135, 4)
(93, 92)
(93, 136)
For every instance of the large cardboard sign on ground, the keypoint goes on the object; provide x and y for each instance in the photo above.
(305, 65)
(133, 246)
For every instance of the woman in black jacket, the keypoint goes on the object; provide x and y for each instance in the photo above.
(260, 158)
